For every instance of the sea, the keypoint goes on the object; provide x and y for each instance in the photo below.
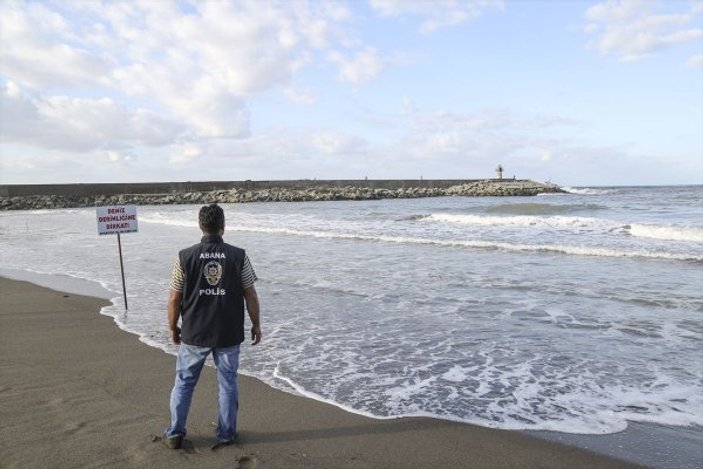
(573, 313)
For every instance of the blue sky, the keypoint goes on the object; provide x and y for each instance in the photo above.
(576, 92)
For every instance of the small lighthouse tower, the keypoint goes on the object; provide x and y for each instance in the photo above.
(499, 172)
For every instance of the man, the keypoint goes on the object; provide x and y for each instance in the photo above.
(210, 283)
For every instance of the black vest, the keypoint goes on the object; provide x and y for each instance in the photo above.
(212, 310)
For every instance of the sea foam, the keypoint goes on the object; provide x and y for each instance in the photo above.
(673, 233)
(551, 222)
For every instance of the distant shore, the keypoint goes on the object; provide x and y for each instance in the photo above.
(76, 195)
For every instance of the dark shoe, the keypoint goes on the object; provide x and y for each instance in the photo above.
(223, 443)
(175, 442)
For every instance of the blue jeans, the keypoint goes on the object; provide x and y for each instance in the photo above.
(188, 367)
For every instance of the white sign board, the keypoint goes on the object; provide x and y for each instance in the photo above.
(117, 219)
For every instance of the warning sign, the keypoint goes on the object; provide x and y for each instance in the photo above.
(117, 219)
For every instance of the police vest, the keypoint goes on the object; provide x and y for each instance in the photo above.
(212, 309)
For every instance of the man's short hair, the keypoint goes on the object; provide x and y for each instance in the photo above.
(211, 218)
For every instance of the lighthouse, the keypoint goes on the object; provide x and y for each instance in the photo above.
(499, 172)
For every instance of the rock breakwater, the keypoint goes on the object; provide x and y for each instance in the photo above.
(473, 189)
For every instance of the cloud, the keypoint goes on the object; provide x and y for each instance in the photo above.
(37, 49)
(300, 96)
(631, 31)
(77, 124)
(41, 166)
(615, 10)
(359, 69)
(335, 143)
(695, 61)
(465, 142)
(185, 153)
(436, 14)
(195, 62)
(443, 120)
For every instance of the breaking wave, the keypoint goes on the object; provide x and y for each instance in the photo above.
(587, 190)
(557, 222)
(481, 244)
(672, 233)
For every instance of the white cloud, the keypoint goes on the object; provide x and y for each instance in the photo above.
(631, 30)
(435, 14)
(442, 121)
(116, 158)
(195, 62)
(335, 143)
(76, 124)
(615, 10)
(185, 153)
(41, 166)
(113, 156)
(440, 143)
(359, 69)
(300, 96)
(36, 49)
(695, 61)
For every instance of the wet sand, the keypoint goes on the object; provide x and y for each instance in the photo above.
(75, 391)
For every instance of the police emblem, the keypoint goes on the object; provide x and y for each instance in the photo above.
(212, 272)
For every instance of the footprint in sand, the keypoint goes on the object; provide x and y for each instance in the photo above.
(73, 427)
(248, 462)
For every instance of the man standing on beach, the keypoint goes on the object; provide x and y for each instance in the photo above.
(210, 283)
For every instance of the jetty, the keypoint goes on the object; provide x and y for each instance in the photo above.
(47, 196)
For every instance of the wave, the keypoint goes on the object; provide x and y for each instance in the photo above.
(300, 390)
(160, 219)
(651, 231)
(559, 222)
(513, 247)
(587, 190)
(591, 408)
(671, 233)
(541, 209)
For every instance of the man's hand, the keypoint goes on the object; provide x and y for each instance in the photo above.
(252, 300)
(255, 335)
(174, 312)
(175, 335)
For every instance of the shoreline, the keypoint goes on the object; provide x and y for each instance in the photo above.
(645, 443)
(97, 396)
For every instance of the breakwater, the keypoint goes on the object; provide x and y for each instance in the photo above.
(32, 197)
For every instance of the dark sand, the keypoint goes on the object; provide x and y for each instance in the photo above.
(75, 391)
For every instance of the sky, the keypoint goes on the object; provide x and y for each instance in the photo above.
(578, 93)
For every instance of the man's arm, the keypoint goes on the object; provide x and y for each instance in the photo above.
(174, 312)
(252, 300)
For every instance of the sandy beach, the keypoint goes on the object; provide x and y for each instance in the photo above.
(78, 392)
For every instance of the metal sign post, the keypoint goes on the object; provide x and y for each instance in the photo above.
(124, 288)
(115, 220)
